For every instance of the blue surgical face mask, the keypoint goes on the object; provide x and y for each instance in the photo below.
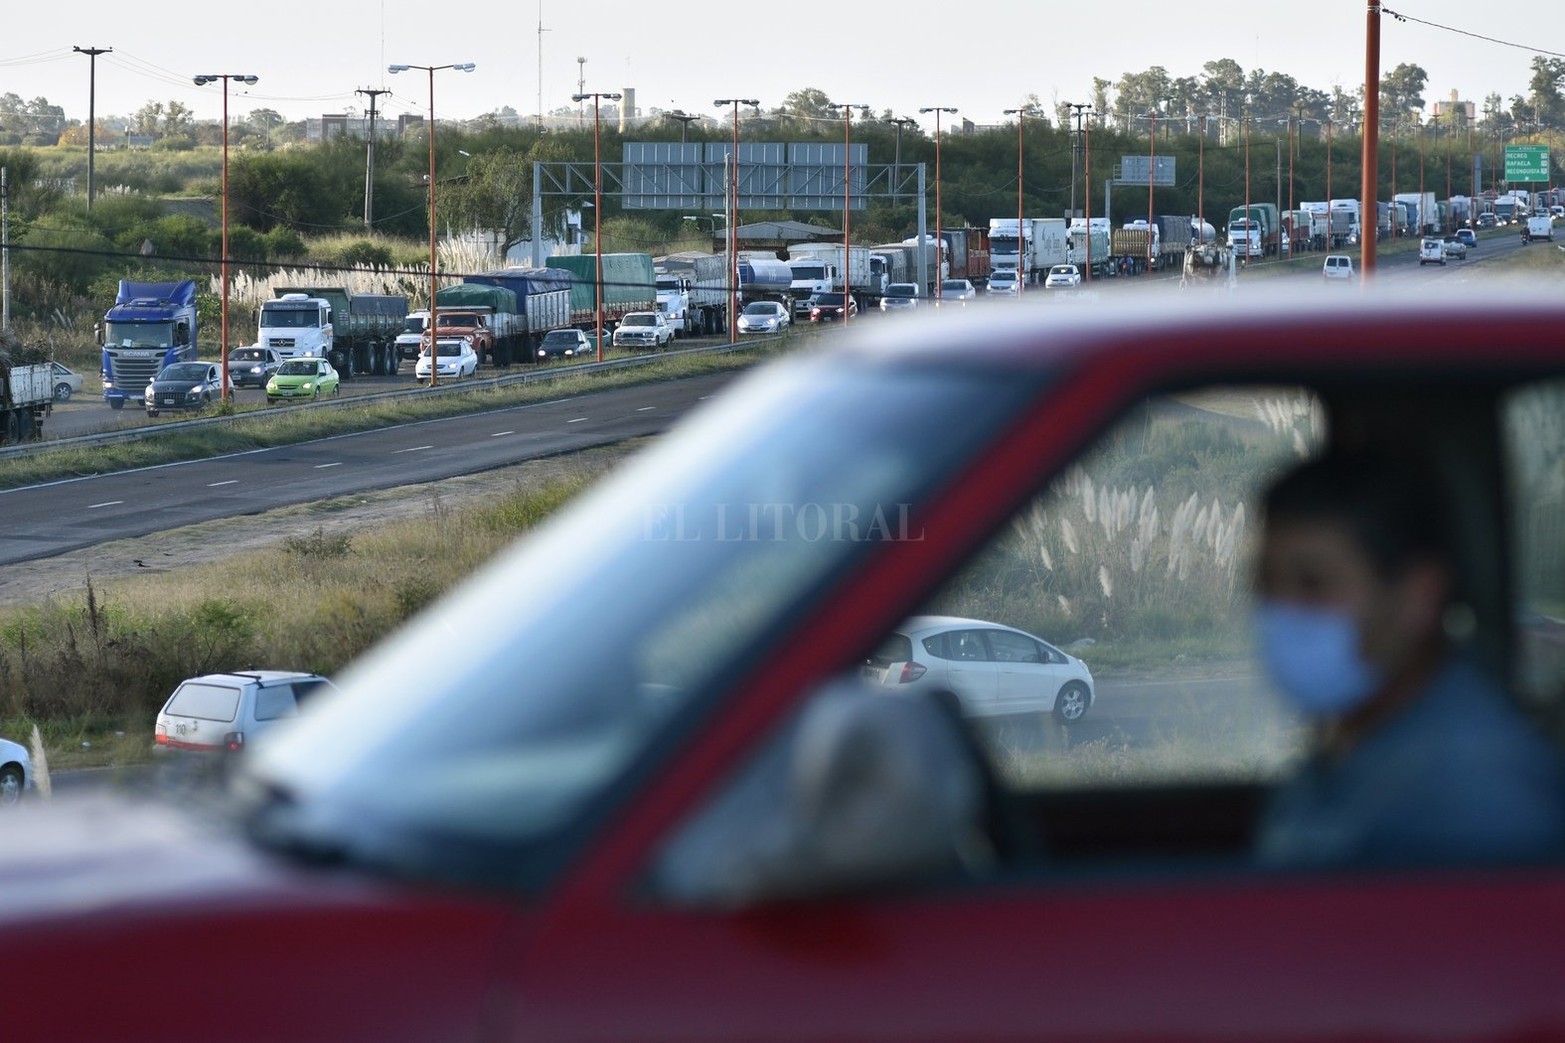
(1312, 655)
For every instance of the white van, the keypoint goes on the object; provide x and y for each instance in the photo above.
(1431, 250)
(1337, 266)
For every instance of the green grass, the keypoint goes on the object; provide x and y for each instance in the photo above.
(91, 668)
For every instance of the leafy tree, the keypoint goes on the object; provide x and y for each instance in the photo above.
(1547, 103)
(809, 103)
(1222, 84)
(1402, 91)
(147, 119)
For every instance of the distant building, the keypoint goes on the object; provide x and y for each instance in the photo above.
(338, 124)
(1464, 112)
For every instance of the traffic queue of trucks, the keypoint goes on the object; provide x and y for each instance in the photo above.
(355, 332)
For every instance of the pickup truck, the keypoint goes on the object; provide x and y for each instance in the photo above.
(643, 329)
(658, 800)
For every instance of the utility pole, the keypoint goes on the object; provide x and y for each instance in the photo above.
(369, 162)
(92, 115)
(5, 249)
(1077, 109)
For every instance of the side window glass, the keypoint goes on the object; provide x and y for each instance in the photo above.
(1131, 571)
(1534, 430)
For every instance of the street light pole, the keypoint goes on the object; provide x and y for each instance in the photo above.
(685, 119)
(847, 204)
(900, 121)
(92, 118)
(1077, 108)
(939, 231)
(434, 281)
(1021, 115)
(597, 209)
(732, 206)
(202, 81)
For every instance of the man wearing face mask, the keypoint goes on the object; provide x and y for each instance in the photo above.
(1421, 757)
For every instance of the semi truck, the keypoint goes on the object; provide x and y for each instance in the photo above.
(843, 268)
(1254, 230)
(151, 325)
(484, 315)
(692, 289)
(1425, 219)
(1042, 243)
(26, 397)
(1137, 246)
(543, 303)
(968, 254)
(1089, 245)
(898, 262)
(355, 332)
(628, 285)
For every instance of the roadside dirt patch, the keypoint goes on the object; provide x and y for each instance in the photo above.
(64, 575)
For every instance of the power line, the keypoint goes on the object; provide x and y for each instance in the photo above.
(1463, 32)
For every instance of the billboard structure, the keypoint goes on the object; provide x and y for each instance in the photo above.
(771, 176)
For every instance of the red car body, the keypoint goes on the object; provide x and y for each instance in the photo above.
(150, 924)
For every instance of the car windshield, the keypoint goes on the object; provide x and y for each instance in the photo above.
(560, 337)
(761, 308)
(698, 557)
(1061, 269)
(903, 289)
(297, 368)
(958, 285)
(639, 320)
(184, 371)
(828, 298)
(247, 355)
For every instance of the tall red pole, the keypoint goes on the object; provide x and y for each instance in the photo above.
(597, 222)
(1086, 177)
(1370, 176)
(223, 351)
(1151, 181)
(434, 274)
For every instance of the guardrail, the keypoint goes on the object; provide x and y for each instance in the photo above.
(528, 376)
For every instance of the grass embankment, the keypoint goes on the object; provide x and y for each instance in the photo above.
(259, 427)
(92, 668)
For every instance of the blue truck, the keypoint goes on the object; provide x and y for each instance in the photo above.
(151, 325)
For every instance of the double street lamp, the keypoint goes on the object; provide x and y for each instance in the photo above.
(731, 205)
(597, 208)
(434, 282)
(939, 231)
(202, 81)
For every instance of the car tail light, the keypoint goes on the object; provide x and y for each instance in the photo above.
(912, 671)
(160, 733)
(233, 742)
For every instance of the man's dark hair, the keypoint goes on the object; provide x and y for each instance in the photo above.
(1394, 509)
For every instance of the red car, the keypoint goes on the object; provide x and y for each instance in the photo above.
(828, 307)
(657, 801)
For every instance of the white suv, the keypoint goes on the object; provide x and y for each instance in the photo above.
(217, 713)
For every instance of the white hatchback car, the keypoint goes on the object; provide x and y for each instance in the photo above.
(1002, 284)
(457, 360)
(1062, 276)
(215, 713)
(16, 773)
(992, 669)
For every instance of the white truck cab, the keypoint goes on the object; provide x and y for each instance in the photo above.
(411, 339)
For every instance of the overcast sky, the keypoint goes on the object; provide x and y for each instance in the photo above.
(310, 57)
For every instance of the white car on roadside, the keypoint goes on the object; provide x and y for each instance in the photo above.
(643, 329)
(992, 669)
(16, 773)
(457, 359)
(1062, 276)
(763, 317)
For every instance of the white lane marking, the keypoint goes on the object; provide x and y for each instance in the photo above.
(644, 409)
(105, 503)
(414, 449)
(214, 485)
(322, 467)
(499, 434)
(577, 420)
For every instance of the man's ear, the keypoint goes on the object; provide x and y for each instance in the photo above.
(1423, 592)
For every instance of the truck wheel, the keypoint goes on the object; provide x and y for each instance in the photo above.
(116, 404)
(13, 428)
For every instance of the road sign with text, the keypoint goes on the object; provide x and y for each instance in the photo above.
(1526, 163)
